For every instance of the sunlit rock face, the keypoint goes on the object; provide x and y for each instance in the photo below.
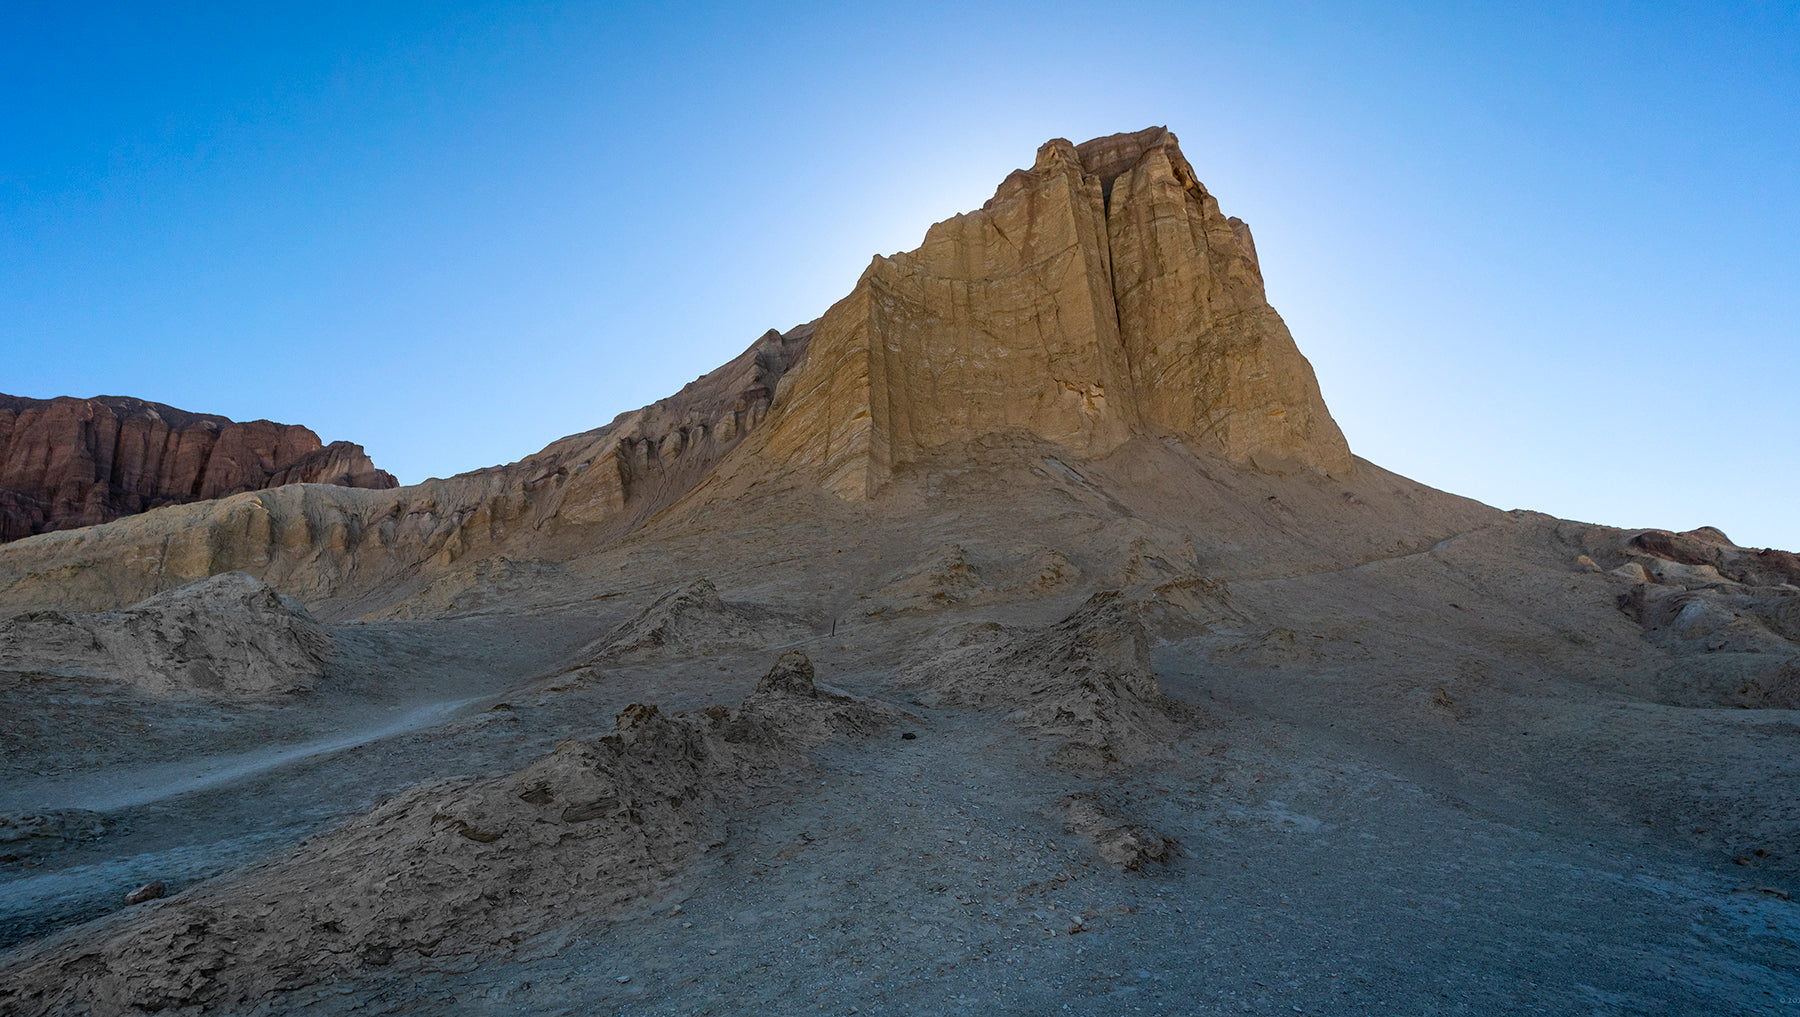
(1098, 295)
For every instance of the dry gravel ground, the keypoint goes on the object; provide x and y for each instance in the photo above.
(1324, 866)
(1442, 774)
(192, 787)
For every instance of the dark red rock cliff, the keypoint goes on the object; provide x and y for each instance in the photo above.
(69, 462)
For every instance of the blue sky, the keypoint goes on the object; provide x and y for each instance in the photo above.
(1544, 255)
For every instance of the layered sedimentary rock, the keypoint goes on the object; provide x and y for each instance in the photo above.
(1098, 295)
(318, 542)
(75, 462)
(1728, 616)
(1706, 547)
(692, 620)
(1086, 680)
(229, 634)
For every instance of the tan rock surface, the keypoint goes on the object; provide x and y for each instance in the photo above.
(228, 634)
(1097, 295)
(1709, 548)
(1098, 300)
(1210, 359)
(1413, 742)
(319, 542)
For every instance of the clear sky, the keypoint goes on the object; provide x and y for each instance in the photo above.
(1545, 255)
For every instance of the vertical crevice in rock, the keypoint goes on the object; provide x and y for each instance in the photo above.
(1098, 295)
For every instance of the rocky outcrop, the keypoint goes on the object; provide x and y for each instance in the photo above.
(1125, 845)
(1727, 616)
(1707, 547)
(318, 542)
(660, 451)
(951, 576)
(1098, 295)
(1085, 681)
(75, 462)
(229, 634)
(430, 873)
(31, 835)
(688, 621)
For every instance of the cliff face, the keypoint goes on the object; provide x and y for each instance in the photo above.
(1099, 295)
(75, 462)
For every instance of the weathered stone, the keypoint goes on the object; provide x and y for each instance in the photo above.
(792, 674)
(1086, 680)
(1125, 845)
(1098, 295)
(229, 634)
(1707, 547)
(317, 541)
(687, 621)
(75, 462)
(434, 870)
(25, 835)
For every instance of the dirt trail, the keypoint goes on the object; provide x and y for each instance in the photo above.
(116, 790)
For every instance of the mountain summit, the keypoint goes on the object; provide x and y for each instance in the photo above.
(1098, 295)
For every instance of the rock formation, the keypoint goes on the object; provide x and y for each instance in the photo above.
(1706, 547)
(1098, 295)
(1058, 480)
(229, 634)
(1126, 845)
(1728, 616)
(688, 621)
(319, 542)
(431, 873)
(39, 833)
(76, 462)
(1085, 681)
(947, 577)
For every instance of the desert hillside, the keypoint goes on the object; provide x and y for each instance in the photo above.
(1020, 636)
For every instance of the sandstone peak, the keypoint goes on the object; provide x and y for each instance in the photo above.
(1099, 295)
(1114, 155)
(1099, 299)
